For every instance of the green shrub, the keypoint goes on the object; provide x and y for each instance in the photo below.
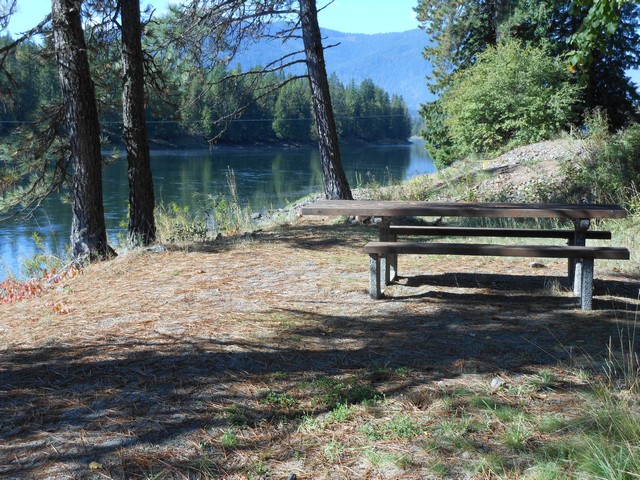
(610, 170)
(513, 95)
(42, 262)
(177, 224)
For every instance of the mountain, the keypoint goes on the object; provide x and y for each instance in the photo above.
(393, 61)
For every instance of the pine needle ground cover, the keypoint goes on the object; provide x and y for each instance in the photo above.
(265, 357)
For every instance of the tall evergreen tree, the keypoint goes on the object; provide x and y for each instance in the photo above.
(399, 119)
(222, 26)
(291, 119)
(335, 181)
(88, 232)
(460, 30)
(142, 227)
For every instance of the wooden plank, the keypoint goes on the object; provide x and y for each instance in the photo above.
(387, 208)
(548, 251)
(494, 232)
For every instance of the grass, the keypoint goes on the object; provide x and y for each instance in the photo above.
(505, 434)
(380, 458)
(333, 450)
(215, 215)
(397, 427)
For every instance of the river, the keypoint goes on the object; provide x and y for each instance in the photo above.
(265, 177)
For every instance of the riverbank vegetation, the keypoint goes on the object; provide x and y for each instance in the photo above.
(508, 72)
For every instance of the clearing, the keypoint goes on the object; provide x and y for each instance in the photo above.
(264, 357)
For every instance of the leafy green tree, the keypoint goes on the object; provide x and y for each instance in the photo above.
(513, 95)
(437, 137)
(596, 40)
(601, 19)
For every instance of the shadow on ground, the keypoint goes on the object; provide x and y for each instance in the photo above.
(126, 404)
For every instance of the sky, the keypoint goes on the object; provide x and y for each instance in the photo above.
(348, 16)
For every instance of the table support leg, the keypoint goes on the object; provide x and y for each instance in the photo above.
(586, 295)
(393, 261)
(576, 265)
(389, 262)
(374, 276)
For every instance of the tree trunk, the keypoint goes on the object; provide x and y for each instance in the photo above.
(88, 232)
(142, 229)
(335, 181)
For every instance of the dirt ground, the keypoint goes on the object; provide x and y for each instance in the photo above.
(127, 369)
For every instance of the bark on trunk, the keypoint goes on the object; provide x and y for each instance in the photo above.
(88, 232)
(335, 181)
(142, 229)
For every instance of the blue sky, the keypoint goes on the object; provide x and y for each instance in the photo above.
(350, 16)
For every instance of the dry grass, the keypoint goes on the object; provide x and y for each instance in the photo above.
(266, 357)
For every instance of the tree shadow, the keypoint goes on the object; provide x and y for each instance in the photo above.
(127, 403)
(536, 284)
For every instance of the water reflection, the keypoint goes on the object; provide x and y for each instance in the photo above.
(265, 178)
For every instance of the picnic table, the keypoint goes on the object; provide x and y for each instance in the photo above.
(383, 253)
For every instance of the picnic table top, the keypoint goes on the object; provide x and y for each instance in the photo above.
(393, 208)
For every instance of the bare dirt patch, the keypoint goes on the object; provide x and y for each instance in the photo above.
(215, 361)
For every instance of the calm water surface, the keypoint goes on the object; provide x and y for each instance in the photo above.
(266, 178)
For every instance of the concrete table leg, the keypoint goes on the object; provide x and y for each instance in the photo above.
(374, 276)
(581, 226)
(586, 294)
(389, 261)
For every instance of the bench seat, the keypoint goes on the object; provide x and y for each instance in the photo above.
(547, 251)
(581, 254)
(573, 237)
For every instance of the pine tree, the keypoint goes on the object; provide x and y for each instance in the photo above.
(88, 231)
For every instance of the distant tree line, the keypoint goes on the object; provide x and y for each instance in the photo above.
(218, 105)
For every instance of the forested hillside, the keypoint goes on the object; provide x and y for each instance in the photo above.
(393, 61)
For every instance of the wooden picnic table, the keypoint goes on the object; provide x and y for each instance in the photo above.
(391, 212)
